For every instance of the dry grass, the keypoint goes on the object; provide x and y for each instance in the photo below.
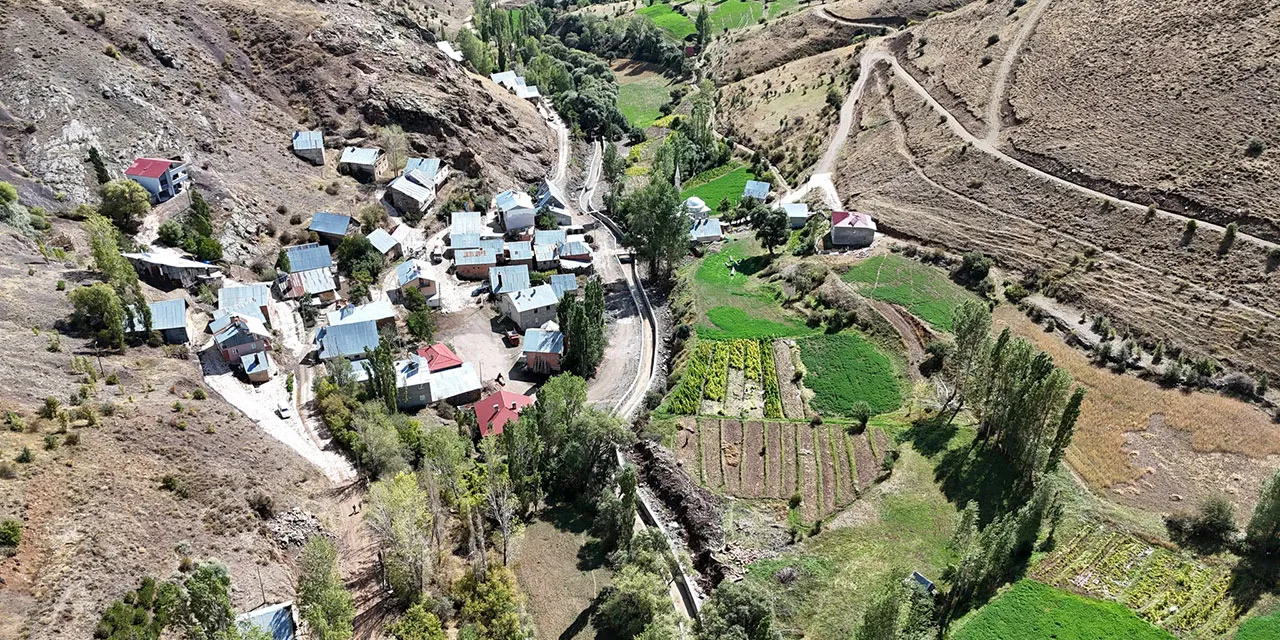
(1116, 404)
(546, 563)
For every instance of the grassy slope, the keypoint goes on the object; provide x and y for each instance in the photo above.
(641, 96)
(1032, 611)
(923, 290)
(1266, 628)
(739, 305)
(844, 368)
(678, 25)
(735, 14)
(725, 187)
(910, 526)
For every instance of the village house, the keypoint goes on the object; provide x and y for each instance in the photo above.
(516, 84)
(432, 170)
(414, 274)
(530, 307)
(577, 251)
(542, 350)
(852, 230)
(171, 268)
(254, 298)
(473, 264)
(563, 283)
(544, 257)
(309, 145)
(279, 621)
(169, 317)
(797, 214)
(362, 163)
(496, 410)
(305, 257)
(509, 278)
(519, 253)
(379, 311)
(465, 226)
(257, 367)
(418, 386)
(549, 238)
(237, 335)
(439, 357)
(551, 198)
(347, 340)
(311, 271)
(705, 231)
(331, 227)
(161, 177)
(757, 190)
(515, 209)
(412, 193)
(388, 246)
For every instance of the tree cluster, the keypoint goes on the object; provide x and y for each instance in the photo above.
(638, 604)
(198, 606)
(193, 231)
(358, 259)
(582, 323)
(108, 309)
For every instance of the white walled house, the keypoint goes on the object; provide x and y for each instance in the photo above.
(161, 177)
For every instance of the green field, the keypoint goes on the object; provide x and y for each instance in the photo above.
(1267, 628)
(925, 291)
(641, 95)
(735, 14)
(779, 7)
(844, 368)
(840, 570)
(1034, 611)
(734, 302)
(678, 25)
(727, 184)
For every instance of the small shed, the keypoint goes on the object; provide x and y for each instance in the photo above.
(756, 189)
(256, 366)
(705, 231)
(417, 274)
(385, 244)
(309, 145)
(169, 317)
(362, 163)
(542, 350)
(331, 227)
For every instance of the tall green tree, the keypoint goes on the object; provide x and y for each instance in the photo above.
(418, 623)
(210, 616)
(323, 601)
(1263, 532)
(703, 24)
(523, 450)
(97, 309)
(99, 167)
(742, 610)
(771, 227)
(125, 203)
(880, 620)
(583, 325)
(398, 516)
(104, 245)
(658, 226)
(637, 600)
(380, 364)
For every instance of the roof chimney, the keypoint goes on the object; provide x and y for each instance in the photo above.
(514, 406)
(499, 279)
(495, 409)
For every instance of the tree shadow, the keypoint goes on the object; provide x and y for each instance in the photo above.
(579, 623)
(753, 265)
(964, 473)
(1253, 577)
(930, 435)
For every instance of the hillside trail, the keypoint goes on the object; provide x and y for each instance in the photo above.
(1006, 69)
(873, 56)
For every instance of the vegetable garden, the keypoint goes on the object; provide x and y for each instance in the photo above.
(1162, 587)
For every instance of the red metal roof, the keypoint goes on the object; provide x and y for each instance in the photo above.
(850, 219)
(148, 167)
(439, 357)
(493, 412)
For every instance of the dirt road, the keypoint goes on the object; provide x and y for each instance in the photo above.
(1006, 70)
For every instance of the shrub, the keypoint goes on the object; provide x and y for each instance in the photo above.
(795, 500)
(8, 193)
(1239, 383)
(112, 51)
(62, 285)
(861, 413)
(10, 532)
(113, 379)
(72, 439)
(1255, 147)
(50, 408)
(25, 456)
(7, 470)
(50, 442)
(199, 393)
(175, 485)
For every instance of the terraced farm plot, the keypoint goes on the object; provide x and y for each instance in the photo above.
(668, 19)
(732, 302)
(641, 92)
(1035, 611)
(1159, 586)
(845, 368)
(731, 378)
(771, 459)
(722, 183)
(923, 290)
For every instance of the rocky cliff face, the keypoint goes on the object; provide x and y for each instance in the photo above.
(223, 84)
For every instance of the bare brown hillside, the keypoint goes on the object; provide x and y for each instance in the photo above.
(95, 515)
(1160, 100)
(223, 84)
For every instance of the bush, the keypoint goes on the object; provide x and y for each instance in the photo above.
(50, 408)
(72, 439)
(25, 456)
(50, 442)
(7, 470)
(10, 532)
(175, 485)
(8, 193)
(263, 505)
(1255, 147)
(199, 393)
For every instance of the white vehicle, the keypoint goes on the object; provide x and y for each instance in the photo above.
(285, 411)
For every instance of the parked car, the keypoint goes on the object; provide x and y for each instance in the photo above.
(511, 338)
(285, 411)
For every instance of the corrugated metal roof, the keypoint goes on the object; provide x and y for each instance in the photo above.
(756, 189)
(420, 194)
(544, 253)
(334, 224)
(149, 167)
(525, 299)
(168, 314)
(519, 250)
(504, 78)
(308, 140)
(706, 230)
(222, 317)
(314, 281)
(508, 278)
(347, 340)
(474, 256)
(360, 155)
(465, 222)
(409, 269)
(540, 341)
(551, 237)
(276, 620)
(256, 295)
(528, 91)
(562, 283)
(464, 240)
(796, 209)
(575, 249)
(492, 245)
(238, 329)
(454, 382)
(377, 310)
(169, 260)
(255, 362)
(306, 257)
(428, 166)
(508, 200)
(382, 241)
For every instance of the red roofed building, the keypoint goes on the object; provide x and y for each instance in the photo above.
(162, 178)
(495, 411)
(852, 229)
(439, 357)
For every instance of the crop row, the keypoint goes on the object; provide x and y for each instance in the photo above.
(718, 372)
(1201, 610)
(737, 353)
(753, 351)
(772, 395)
(686, 398)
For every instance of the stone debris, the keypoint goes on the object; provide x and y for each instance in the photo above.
(294, 527)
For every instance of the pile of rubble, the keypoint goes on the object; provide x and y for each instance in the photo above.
(698, 511)
(294, 527)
